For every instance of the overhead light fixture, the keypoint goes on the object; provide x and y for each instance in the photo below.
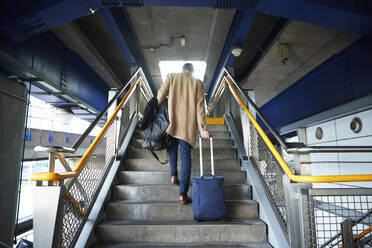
(237, 51)
(48, 86)
(173, 41)
(183, 41)
(283, 52)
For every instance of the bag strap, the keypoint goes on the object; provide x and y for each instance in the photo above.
(156, 156)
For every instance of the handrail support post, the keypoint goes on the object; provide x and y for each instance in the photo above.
(295, 198)
(347, 233)
(302, 163)
(63, 161)
(52, 162)
(52, 165)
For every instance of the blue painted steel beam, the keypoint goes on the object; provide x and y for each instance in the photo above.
(124, 36)
(49, 60)
(180, 3)
(22, 19)
(240, 27)
(117, 32)
(346, 15)
(35, 18)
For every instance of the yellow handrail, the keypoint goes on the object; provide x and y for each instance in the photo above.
(279, 158)
(220, 87)
(55, 176)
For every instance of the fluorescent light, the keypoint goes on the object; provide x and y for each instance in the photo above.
(50, 87)
(68, 98)
(167, 67)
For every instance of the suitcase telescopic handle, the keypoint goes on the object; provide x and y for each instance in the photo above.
(201, 155)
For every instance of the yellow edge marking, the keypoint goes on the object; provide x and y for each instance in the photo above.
(215, 121)
(283, 164)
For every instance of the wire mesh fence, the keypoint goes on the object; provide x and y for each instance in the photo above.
(270, 172)
(82, 191)
(338, 218)
(269, 169)
(326, 217)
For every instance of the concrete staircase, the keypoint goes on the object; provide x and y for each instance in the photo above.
(144, 211)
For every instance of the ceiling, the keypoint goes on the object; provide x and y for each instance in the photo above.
(258, 33)
(205, 30)
(309, 46)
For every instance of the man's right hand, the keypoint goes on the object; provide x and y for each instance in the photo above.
(204, 134)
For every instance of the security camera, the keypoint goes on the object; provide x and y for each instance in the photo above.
(236, 51)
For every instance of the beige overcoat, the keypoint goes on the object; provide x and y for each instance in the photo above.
(185, 105)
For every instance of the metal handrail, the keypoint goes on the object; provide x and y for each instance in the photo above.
(323, 149)
(273, 131)
(290, 148)
(56, 176)
(296, 178)
(78, 142)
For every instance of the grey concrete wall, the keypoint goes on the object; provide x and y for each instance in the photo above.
(12, 121)
(41, 137)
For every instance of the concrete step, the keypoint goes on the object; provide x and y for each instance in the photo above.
(218, 153)
(184, 245)
(163, 177)
(149, 164)
(216, 128)
(169, 192)
(216, 135)
(217, 143)
(172, 210)
(131, 231)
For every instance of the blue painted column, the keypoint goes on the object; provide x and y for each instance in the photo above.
(240, 27)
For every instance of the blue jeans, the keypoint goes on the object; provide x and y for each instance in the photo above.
(185, 150)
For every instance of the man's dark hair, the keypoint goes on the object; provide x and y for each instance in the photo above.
(188, 66)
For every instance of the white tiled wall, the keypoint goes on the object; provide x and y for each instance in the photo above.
(338, 132)
(329, 133)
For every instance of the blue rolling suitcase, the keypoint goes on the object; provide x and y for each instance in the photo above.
(208, 192)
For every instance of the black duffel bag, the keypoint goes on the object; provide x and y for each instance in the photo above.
(155, 126)
(149, 113)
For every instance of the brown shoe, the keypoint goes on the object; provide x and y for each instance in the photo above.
(184, 199)
(174, 180)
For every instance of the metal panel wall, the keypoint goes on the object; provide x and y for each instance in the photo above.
(13, 98)
(48, 56)
(337, 132)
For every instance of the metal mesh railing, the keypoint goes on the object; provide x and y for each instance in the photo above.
(332, 217)
(82, 191)
(85, 187)
(80, 186)
(338, 218)
(270, 172)
(268, 167)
